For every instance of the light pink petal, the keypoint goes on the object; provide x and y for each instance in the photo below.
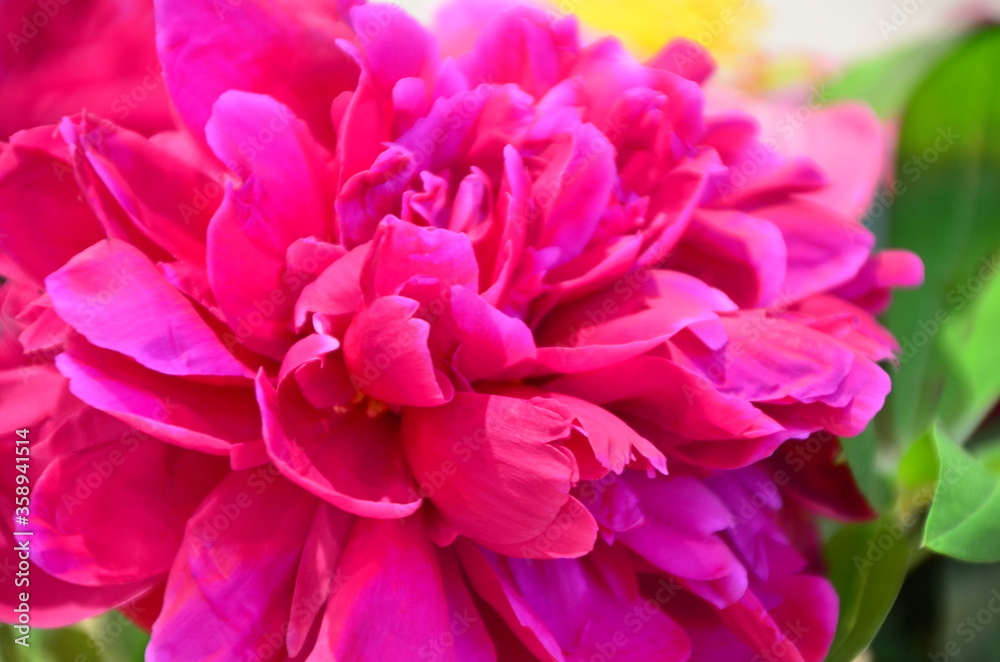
(848, 141)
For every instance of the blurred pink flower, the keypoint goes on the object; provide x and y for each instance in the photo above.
(423, 338)
(60, 56)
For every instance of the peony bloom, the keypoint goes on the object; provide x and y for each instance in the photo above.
(519, 355)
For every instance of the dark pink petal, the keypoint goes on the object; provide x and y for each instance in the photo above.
(117, 299)
(821, 479)
(37, 183)
(350, 459)
(401, 251)
(385, 349)
(494, 474)
(615, 445)
(80, 543)
(167, 200)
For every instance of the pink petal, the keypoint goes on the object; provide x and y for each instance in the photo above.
(153, 486)
(230, 590)
(286, 50)
(204, 417)
(37, 183)
(385, 349)
(492, 472)
(353, 461)
(111, 293)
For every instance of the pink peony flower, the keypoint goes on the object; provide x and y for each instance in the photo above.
(522, 355)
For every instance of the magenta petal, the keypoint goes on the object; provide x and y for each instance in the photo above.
(113, 295)
(493, 582)
(229, 593)
(199, 416)
(388, 568)
(402, 250)
(286, 50)
(79, 543)
(318, 574)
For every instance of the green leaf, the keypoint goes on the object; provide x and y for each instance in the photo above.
(969, 347)
(949, 166)
(886, 82)
(964, 520)
(108, 638)
(867, 566)
(861, 453)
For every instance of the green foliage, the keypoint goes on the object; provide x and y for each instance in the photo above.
(949, 163)
(867, 564)
(964, 519)
(108, 638)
